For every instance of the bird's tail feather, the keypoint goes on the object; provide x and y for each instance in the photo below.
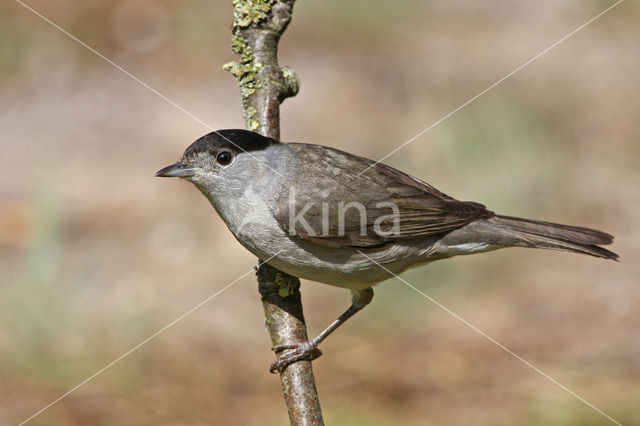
(554, 236)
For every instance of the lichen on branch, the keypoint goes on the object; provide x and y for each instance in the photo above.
(246, 13)
(246, 73)
(256, 30)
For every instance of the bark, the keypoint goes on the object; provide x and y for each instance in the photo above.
(264, 85)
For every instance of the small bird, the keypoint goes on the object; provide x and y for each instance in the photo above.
(325, 215)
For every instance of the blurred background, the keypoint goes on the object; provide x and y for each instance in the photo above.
(96, 254)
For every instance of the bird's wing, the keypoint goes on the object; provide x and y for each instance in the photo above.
(337, 208)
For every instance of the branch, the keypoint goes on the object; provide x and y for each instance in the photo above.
(264, 85)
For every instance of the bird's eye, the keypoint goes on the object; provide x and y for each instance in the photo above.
(224, 158)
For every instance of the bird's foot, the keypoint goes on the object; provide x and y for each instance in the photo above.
(298, 351)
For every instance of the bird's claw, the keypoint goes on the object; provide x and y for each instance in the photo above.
(299, 351)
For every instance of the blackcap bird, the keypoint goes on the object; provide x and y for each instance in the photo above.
(332, 217)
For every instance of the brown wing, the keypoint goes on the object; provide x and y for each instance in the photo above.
(335, 207)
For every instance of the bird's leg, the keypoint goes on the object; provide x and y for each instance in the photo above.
(309, 350)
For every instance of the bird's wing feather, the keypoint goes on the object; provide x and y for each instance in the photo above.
(420, 209)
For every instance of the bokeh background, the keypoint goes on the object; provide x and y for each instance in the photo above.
(97, 254)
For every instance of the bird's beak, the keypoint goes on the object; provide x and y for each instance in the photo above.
(179, 169)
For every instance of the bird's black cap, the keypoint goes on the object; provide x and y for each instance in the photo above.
(234, 140)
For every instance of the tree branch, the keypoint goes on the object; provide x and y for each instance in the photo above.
(264, 85)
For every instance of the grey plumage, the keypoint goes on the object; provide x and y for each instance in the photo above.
(252, 195)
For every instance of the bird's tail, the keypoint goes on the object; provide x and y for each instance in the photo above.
(547, 235)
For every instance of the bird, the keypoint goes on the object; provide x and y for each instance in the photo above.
(332, 217)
